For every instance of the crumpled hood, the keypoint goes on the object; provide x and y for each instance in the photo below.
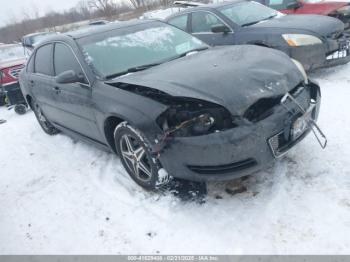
(234, 76)
(319, 24)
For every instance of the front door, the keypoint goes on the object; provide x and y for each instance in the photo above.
(73, 101)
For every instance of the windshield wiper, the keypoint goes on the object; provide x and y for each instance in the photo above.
(132, 70)
(193, 50)
(255, 22)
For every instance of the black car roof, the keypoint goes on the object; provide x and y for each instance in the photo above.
(207, 7)
(91, 30)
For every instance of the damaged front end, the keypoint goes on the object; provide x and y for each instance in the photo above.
(201, 140)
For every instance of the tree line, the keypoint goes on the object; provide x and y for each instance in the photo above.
(31, 21)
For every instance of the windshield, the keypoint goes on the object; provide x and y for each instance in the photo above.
(11, 52)
(117, 51)
(248, 13)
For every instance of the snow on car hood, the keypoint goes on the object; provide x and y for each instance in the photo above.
(234, 77)
(321, 25)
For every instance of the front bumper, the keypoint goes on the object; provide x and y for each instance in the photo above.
(232, 153)
(334, 52)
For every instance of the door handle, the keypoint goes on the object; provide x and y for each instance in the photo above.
(57, 90)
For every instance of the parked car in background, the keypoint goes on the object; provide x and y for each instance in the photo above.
(31, 40)
(316, 41)
(99, 22)
(169, 105)
(12, 60)
(339, 9)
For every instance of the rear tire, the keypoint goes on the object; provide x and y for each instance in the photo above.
(136, 157)
(44, 123)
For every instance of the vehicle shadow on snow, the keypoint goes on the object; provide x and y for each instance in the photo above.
(247, 187)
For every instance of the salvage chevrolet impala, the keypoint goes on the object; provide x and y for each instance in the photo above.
(169, 105)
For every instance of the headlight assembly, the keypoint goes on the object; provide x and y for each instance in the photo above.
(301, 69)
(301, 39)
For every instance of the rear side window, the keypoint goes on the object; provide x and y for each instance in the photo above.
(65, 60)
(43, 60)
(179, 22)
(202, 22)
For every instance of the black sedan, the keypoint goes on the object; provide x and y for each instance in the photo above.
(167, 104)
(316, 41)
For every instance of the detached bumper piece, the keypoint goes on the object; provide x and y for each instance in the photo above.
(302, 125)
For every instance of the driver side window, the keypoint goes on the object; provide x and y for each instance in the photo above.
(65, 60)
(202, 22)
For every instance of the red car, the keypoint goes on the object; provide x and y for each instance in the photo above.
(12, 61)
(340, 10)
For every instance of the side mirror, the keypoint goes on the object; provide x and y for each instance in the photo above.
(220, 29)
(69, 77)
(294, 5)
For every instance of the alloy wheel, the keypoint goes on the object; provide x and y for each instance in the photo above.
(134, 155)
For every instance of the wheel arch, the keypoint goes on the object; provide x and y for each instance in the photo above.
(29, 100)
(109, 125)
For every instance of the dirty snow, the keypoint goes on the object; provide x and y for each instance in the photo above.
(60, 196)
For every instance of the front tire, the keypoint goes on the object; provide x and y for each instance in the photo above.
(44, 123)
(136, 157)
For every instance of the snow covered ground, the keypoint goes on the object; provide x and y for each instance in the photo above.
(62, 196)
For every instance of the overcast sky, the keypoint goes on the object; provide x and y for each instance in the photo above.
(14, 8)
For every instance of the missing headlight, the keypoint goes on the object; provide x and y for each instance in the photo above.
(195, 118)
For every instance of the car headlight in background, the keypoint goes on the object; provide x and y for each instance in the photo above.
(345, 10)
(301, 69)
(301, 39)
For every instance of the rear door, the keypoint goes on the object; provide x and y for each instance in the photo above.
(73, 101)
(201, 23)
(40, 81)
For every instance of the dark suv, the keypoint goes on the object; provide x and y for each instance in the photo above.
(169, 105)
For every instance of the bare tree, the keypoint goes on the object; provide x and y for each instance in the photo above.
(107, 8)
(83, 9)
(137, 3)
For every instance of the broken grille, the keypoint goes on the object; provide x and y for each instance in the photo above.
(264, 107)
